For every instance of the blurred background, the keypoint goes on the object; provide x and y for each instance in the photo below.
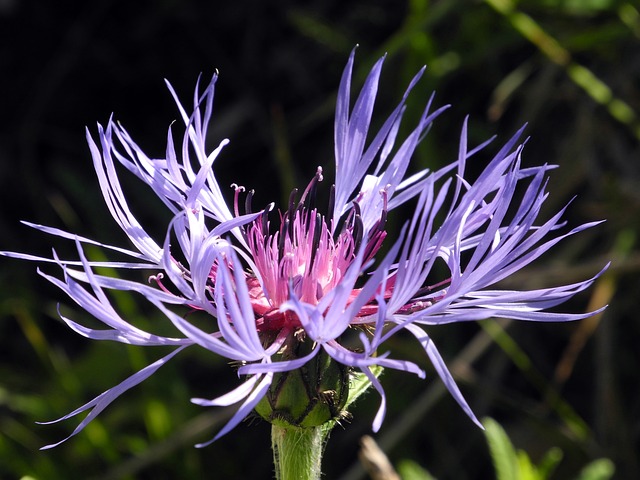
(570, 68)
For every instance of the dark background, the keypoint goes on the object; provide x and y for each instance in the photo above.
(64, 66)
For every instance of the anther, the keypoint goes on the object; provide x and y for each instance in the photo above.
(316, 238)
(356, 208)
(238, 189)
(310, 191)
(429, 288)
(283, 228)
(156, 278)
(332, 200)
(358, 231)
(247, 202)
(292, 199)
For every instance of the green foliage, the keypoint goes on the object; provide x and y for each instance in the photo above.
(410, 470)
(513, 464)
(601, 469)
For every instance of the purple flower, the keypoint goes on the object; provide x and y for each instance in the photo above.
(270, 279)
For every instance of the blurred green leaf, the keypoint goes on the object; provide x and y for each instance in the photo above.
(581, 7)
(512, 464)
(410, 470)
(549, 462)
(505, 460)
(601, 469)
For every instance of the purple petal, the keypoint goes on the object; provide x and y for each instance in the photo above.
(443, 371)
(245, 409)
(98, 404)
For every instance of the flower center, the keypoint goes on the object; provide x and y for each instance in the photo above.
(303, 255)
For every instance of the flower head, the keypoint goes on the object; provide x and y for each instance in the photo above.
(283, 287)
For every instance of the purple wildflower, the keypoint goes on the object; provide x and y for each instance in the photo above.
(312, 276)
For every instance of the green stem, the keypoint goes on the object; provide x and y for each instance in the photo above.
(297, 452)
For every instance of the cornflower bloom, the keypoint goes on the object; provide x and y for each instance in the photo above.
(283, 290)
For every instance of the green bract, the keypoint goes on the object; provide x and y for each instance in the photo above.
(309, 396)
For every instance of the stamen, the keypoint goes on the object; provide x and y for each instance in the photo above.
(311, 189)
(281, 241)
(358, 231)
(385, 206)
(415, 307)
(332, 202)
(356, 208)
(292, 199)
(247, 202)
(158, 279)
(430, 288)
(289, 214)
(236, 196)
(264, 220)
(315, 243)
(303, 256)
(378, 233)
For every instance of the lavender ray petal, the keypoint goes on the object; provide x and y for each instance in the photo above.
(252, 400)
(443, 371)
(99, 403)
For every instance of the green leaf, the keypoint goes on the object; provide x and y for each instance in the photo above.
(410, 470)
(505, 460)
(549, 462)
(601, 469)
(526, 469)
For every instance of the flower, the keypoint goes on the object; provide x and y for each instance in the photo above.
(270, 283)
